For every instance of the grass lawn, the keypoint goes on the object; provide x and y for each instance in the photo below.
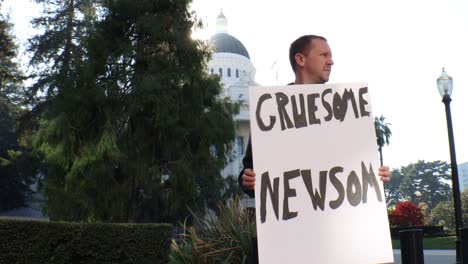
(447, 242)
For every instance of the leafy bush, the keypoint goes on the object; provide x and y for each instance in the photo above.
(226, 238)
(444, 213)
(32, 242)
(406, 214)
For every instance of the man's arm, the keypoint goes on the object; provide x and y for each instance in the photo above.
(248, 164)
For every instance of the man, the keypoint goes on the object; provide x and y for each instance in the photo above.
(311, 60)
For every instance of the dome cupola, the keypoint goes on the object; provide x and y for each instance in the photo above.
(231, 60)
(225, 43)
(221, 23)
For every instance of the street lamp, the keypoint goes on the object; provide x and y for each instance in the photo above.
(445, 86)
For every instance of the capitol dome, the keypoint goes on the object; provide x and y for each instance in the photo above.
(231, 60)
(223, 42)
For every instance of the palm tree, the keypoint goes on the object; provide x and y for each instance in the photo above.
(382, 130)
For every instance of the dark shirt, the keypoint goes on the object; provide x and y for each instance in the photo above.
(248, 164)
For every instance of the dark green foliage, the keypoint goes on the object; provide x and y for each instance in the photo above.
(426, 182)
(10, 75)
(423, 183)
(428, 230)
(27, 242)
(17, 168)
(444, 212)
(132, 127)
(231, 188)
(392, 189)
(464, 204)
(58, 53)
(13, 188)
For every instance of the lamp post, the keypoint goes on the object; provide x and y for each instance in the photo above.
(445, 86)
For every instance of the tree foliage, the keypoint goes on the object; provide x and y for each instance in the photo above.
(59, 52)
(131, 126)
(421, 182)
(444, 212)
(426, 182)
(11, 88)
(16, 166)
(392, 189)
(383, 133)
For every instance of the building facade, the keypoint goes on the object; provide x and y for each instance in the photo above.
(463, 176)
(231, 61)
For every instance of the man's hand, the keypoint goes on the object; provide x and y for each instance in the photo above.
(384, 173)
(248, 179)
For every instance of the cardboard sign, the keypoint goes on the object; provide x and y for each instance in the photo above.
(318, 195)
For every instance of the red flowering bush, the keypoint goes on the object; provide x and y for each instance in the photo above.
(406, 214)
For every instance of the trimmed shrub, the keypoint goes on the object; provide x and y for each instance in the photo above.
(32, 242)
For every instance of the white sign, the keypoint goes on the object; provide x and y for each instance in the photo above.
(319, 198)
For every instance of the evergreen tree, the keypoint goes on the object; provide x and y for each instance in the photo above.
(57, 56)
(392, 189)
(15, 174)
(133, 128)
(16, 169)
(10, 75)
(59, 51)
(426, 182)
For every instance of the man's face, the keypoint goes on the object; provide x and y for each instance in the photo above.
(316, 62)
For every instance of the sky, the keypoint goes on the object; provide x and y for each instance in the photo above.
(398, 47)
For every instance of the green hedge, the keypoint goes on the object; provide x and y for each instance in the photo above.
(430, 230)
(32, 242)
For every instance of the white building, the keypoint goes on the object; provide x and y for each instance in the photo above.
(463, 176)
(231, 61)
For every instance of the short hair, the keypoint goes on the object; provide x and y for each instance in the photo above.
(301, 45)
